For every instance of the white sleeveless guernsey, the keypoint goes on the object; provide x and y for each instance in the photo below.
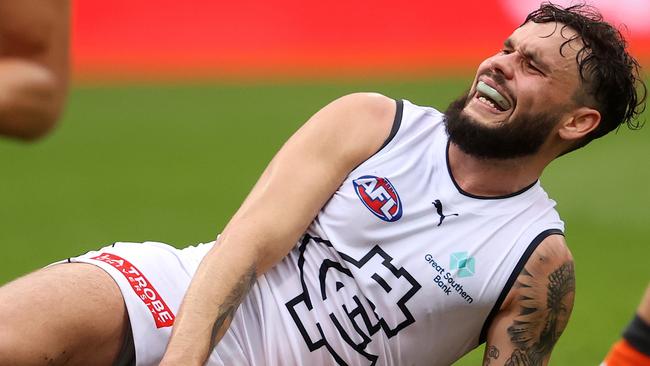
(401, 267)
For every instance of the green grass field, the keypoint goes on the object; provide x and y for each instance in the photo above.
(171, 163)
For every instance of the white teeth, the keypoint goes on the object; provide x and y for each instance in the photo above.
(486, 101)
(491, 93)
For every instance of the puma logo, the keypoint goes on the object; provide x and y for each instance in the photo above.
(438, 205)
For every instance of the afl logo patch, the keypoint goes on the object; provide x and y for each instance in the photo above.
(379, 196)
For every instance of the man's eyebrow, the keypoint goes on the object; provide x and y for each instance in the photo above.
(533, 55)
(536, 58)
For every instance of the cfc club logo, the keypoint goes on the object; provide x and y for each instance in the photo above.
(379, 196)
(337, 317)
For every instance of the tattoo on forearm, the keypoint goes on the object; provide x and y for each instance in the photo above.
(232, 301)
(543, 315)
(490, 353)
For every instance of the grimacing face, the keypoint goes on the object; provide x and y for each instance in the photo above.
(518, 95)
(534, 76)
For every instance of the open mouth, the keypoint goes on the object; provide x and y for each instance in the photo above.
(491, 97)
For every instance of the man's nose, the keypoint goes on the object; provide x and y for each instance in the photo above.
(503, 64)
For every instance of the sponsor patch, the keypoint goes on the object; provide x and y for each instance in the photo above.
(449, 283)
(379, 196)
(463, 263)
(162, 315)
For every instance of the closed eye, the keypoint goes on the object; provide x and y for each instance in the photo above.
(534, 68)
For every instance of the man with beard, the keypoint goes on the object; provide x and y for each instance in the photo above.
(382, 233)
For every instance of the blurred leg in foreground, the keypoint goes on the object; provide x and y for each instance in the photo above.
(634, 348)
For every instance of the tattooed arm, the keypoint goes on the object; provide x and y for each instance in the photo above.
(293, 188)
(536, 310)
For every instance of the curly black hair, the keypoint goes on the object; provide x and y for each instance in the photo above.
(609, 74)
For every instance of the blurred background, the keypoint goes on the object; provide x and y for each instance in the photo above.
(177, 106)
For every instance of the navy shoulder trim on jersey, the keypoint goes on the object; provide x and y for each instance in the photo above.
(397, 122)
(513, 277)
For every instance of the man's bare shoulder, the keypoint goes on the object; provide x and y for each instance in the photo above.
(551, 257)
(357, 123)
(552, 251)
(538, 306)
(363, 107)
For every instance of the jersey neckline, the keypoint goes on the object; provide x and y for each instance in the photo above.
(470, 195)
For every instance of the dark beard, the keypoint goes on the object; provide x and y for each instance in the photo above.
(519, 137)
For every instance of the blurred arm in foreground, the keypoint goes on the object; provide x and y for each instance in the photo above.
(34, 43)
(634, 348)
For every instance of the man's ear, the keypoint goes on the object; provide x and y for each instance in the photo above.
(579, 123)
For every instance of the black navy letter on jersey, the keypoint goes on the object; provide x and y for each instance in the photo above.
(353, 317)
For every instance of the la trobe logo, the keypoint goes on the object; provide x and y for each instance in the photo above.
(379, 196)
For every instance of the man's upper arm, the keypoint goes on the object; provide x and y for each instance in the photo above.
(307, 170)
(536, 310)
(297, 183)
